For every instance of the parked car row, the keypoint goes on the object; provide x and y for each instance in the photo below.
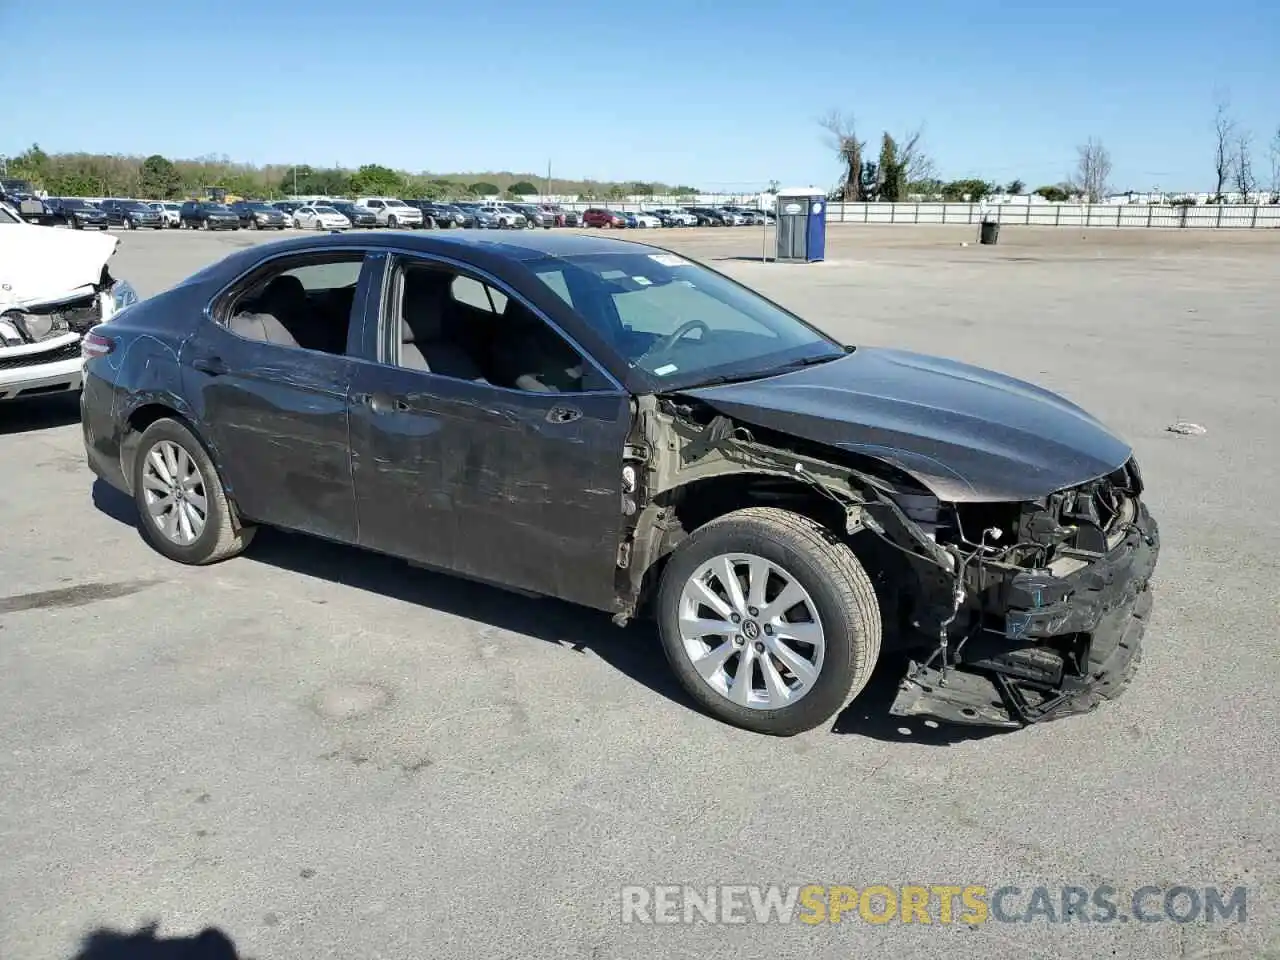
(371, 212)
(677, 217)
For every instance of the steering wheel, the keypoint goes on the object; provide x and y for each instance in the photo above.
(671, 339)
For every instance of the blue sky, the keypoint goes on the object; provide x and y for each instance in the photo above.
(718, 95)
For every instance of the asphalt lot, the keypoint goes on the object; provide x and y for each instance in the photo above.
(329, 754)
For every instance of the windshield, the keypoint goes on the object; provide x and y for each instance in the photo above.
(324, 210)
(680, 322)
(218, 208)
(262, 207)
(396, 203)
(76, 205)
(136, 205)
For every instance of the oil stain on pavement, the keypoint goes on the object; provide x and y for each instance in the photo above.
(77, 596)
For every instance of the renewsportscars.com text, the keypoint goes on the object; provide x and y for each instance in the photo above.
(815, 904)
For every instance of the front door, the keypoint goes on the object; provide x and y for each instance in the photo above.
(516, 487)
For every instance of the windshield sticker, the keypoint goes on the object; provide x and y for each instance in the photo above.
(643, 281)
(665, 370)
(668, 260)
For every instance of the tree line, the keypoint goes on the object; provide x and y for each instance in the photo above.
(901, 170)
(157, 177)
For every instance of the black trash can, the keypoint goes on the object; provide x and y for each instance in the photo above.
(990, 232)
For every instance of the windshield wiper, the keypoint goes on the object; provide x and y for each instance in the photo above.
(767, 372)
(807, 362)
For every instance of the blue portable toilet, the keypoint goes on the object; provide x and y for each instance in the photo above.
(802, 225)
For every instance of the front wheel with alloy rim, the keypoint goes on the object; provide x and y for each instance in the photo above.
(769, 620)
(182, 507)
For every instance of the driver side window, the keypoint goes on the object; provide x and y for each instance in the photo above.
(455, 325)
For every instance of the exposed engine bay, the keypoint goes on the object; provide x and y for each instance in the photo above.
(1020, 612)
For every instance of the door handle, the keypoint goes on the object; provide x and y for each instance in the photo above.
(562, 413)
(213, 366)
(382, 403)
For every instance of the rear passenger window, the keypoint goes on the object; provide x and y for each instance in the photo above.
(326, 276)
(309, 305)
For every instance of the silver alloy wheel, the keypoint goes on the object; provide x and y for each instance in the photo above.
(174, 492)
(751, 631)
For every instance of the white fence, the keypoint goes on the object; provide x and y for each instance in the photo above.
(1227, 215)
(1059, 214)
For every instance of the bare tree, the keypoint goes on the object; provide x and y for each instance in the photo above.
(1245, 183)
(861, 180)
(844, 140)
(1093, 170)
(1223, 156)
(917, 166)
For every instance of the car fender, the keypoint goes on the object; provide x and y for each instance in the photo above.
(152, 371)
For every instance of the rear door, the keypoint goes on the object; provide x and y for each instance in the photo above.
(277, 413)
(518, 488)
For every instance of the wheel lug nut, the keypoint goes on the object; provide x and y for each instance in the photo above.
(768, 629)
(759, 647)
(735, 618)
(737, 641)
(753, 611)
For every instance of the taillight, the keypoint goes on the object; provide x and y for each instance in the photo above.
(95, 345)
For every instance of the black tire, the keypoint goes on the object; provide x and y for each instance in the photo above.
(76, 224)
(392, 222)
(835, 580)
(204, 224)
(224, 535)
(130, 224)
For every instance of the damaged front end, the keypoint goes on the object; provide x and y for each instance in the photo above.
(1021, 612)
(40, 337)
(1050, 604)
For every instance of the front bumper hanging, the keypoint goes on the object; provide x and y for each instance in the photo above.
(1069, 642)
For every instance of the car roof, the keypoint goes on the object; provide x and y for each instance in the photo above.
(527, 246)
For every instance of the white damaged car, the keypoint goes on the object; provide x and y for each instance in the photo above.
(54, 286)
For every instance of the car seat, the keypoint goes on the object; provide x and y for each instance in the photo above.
(423, 344)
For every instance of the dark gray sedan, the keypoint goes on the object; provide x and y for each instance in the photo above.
(621, 427)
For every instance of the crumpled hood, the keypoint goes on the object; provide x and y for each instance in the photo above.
(966, 433)
(41, 263)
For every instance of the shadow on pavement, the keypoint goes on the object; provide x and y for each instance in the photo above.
(209, 944)
(39, 412)
(633, 650)
(116, 505)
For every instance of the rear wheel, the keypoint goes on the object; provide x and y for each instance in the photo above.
(392, 222)
(182, 507)
(768, 620)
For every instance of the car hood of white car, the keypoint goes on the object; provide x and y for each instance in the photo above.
(39, 264)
